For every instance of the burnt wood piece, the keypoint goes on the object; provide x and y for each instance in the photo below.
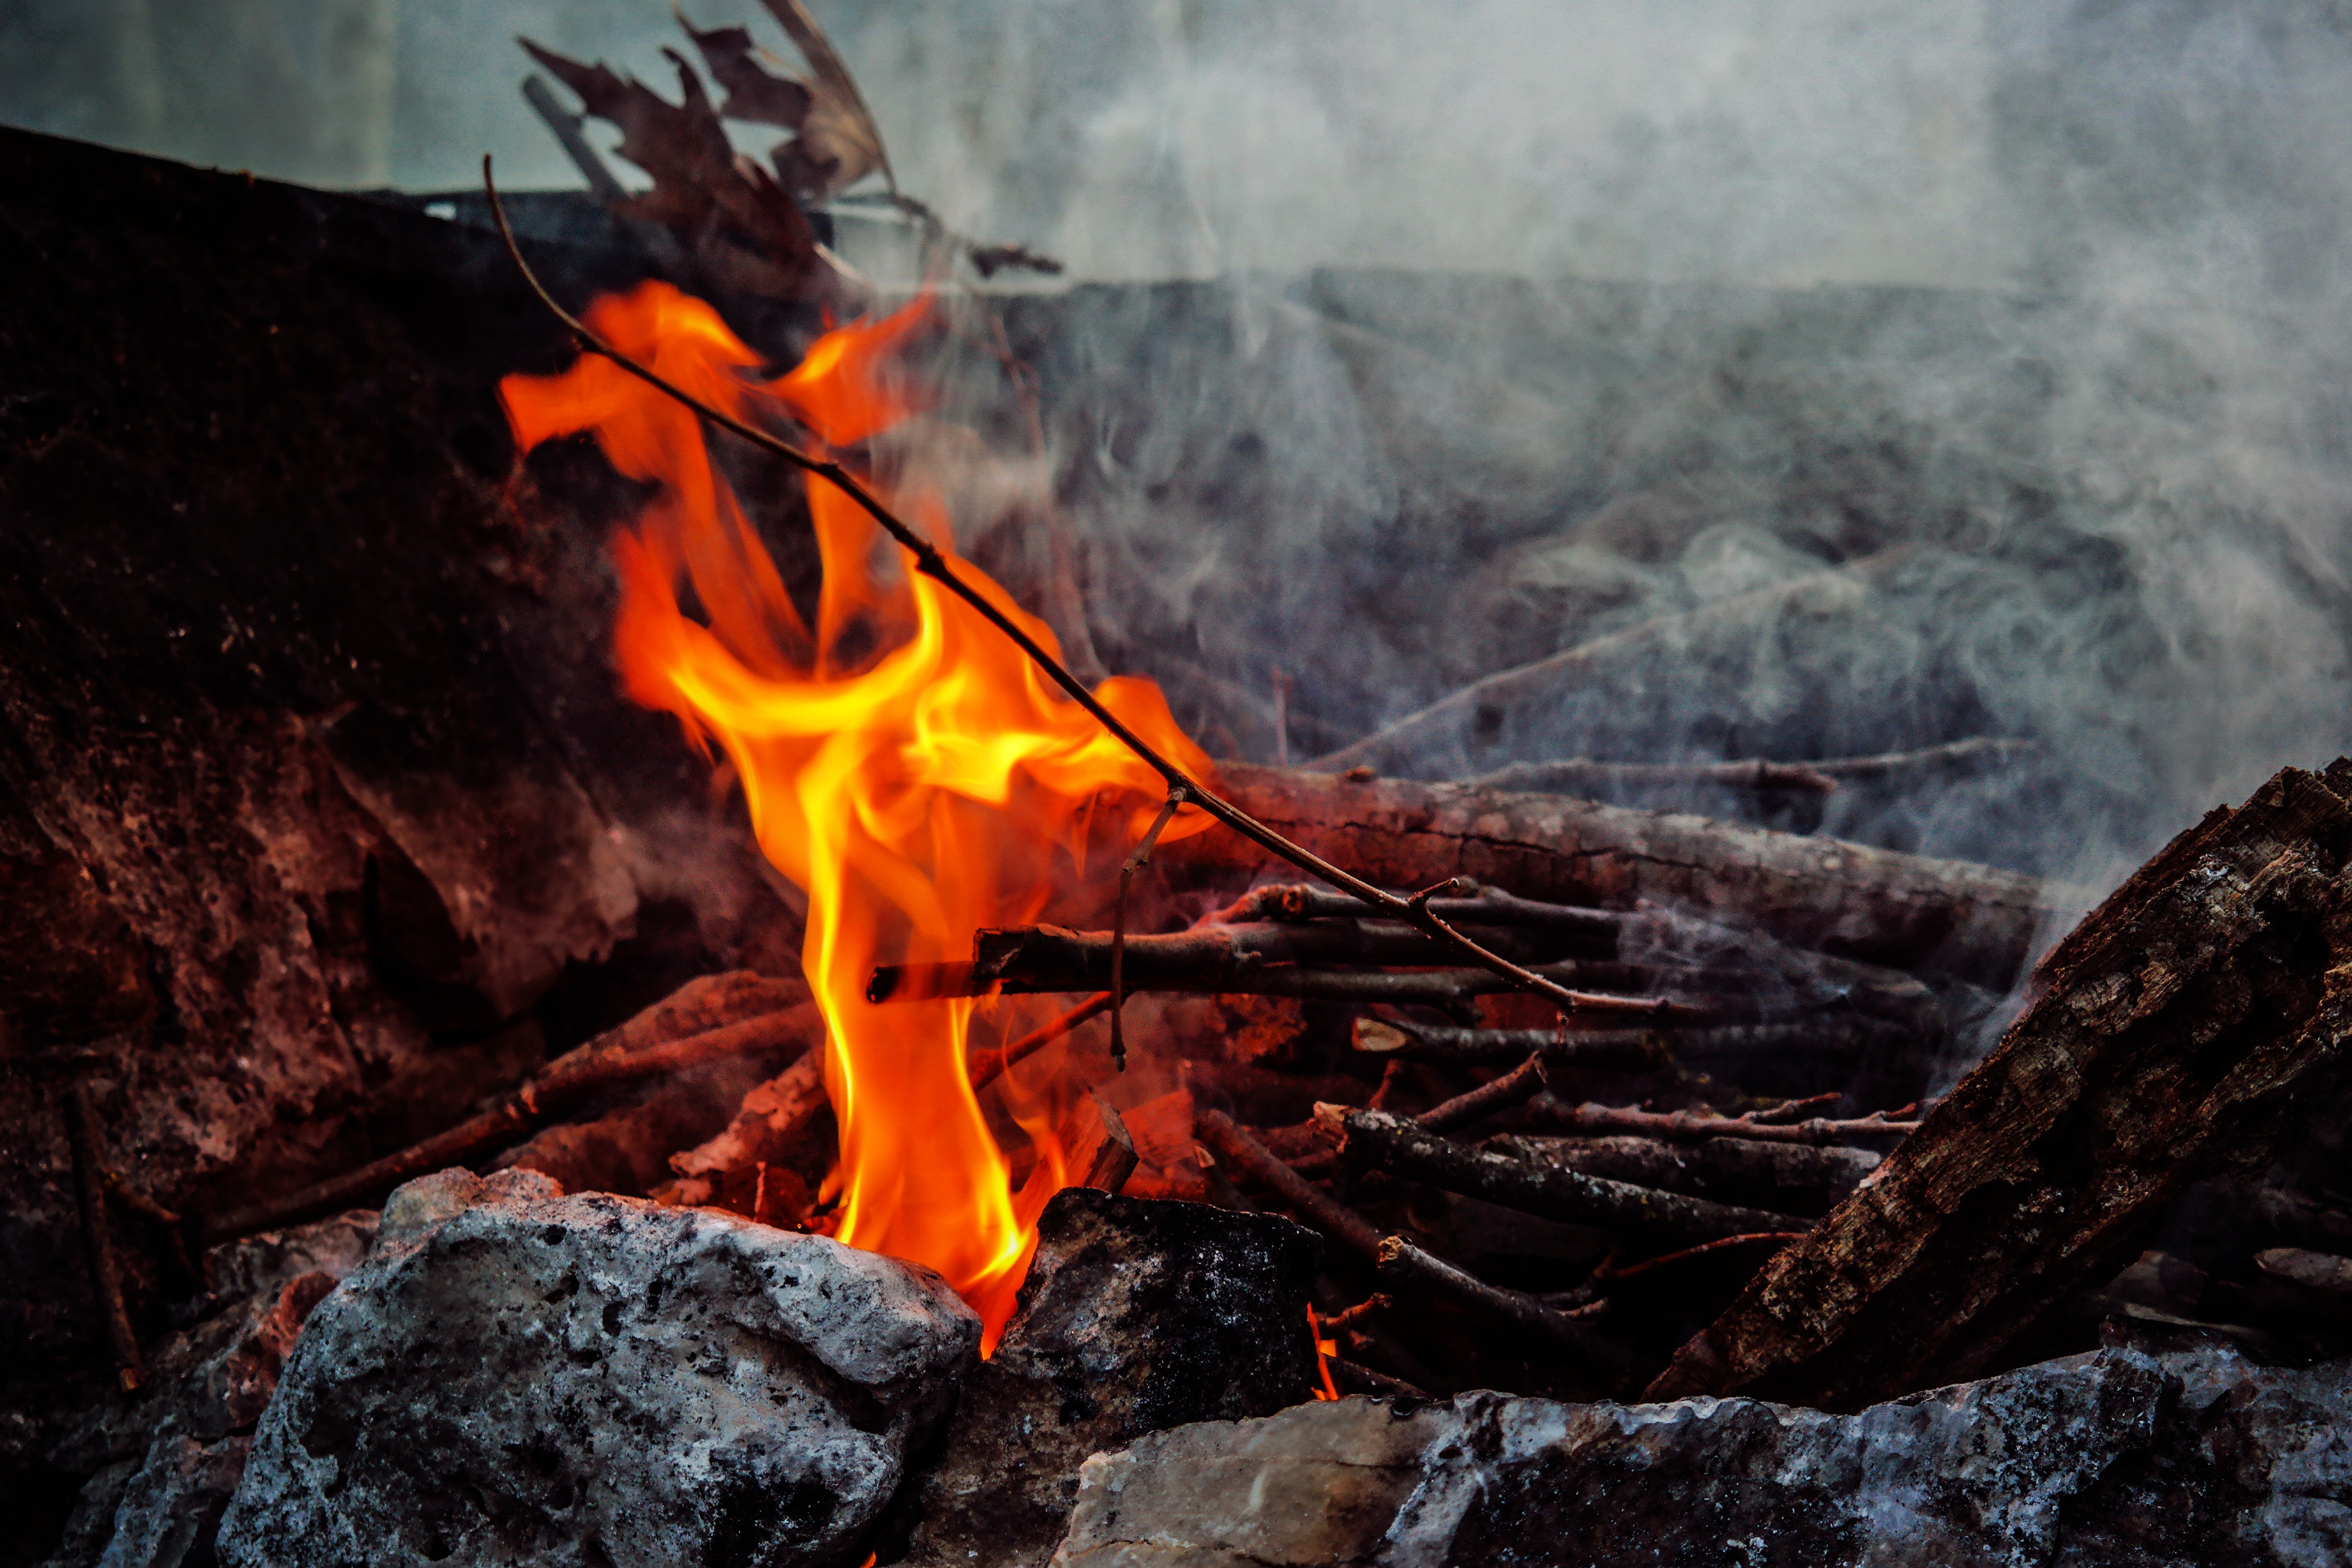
(1642, 1214)
(2302, 1220)
(2173, 1034)
(1795, 1178)
(1690, 1125)
(777, 1125)
(97, 1235)
(1099, 1151)
(1582, 775)
(1942, 918)
(606, 1062)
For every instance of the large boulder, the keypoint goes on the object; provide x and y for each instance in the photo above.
(518, 1376)
(2184, 1459)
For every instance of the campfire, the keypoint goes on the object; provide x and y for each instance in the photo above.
(780, 1056)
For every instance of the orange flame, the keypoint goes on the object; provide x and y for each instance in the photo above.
(914, 795)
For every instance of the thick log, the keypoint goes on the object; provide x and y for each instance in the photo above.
(1643, 1213)
(1940, 918)
(2172, 1036)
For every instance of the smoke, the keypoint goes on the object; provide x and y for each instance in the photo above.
(1805, 377)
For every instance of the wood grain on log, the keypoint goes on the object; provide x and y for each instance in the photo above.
(1940, 918)
(2171, 1036)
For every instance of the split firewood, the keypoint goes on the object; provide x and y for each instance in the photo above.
(1099, 1152)
(644, 1047)
(1391, 1143)
(776, 1126)
(1937, 917)
(1793, 1177)
(1681, 1125)
(2171, 1036)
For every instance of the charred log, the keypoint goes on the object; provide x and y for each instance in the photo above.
(2171, 1036)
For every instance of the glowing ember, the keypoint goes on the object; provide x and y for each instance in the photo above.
(915, 793)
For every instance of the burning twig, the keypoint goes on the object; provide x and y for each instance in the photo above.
(988, 1065)
(578, 1076)
(97, 1235)
(932, 563)
(1126, 870)
(1355, 1377)
(1396, 1145)
(1689, 1124)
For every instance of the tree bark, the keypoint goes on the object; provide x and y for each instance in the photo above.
(1942, 918)
(2172, 1036)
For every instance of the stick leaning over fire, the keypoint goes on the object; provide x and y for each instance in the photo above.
(1182, 788)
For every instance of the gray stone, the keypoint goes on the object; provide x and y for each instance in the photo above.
(2116, 1457)
(172, 1506)
(518, 1376)
(1135, 1315)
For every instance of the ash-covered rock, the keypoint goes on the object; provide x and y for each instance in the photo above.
(1137, 1315)
(2115, 1458)
(172, 1506)
(517, 1376)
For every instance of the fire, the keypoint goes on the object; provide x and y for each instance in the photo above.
(915, 792)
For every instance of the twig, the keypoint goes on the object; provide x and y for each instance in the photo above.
(1691, 1125)
(1248, 961)
(1609, 1270)
(931, 564)
(1576, 774)
(988, 1066)
(1394, 1144)
(1349, 1318)
(1789, 1111)
(1401, 1264)
(1630, 1048)
(97, 1235)
(1519, 1085)
(1325, 1213)
(570, 1078)
(1358, 1378)
(1126, 870)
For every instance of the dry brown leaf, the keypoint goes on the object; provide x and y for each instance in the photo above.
(839, 143)
(744, 225)
(755, 94)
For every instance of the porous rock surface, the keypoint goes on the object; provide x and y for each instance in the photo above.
(1137, 1315)
(2118, 1459)
(519, 1376)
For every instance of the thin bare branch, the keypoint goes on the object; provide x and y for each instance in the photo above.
(931, 564)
